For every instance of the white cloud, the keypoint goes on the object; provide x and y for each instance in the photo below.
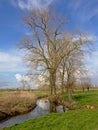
(11, 62)
(92, 61)
(34, 4)
(26, 80)
(20, 77)
(6, 57)
(92, 66)
(41, 78)
(85, 38)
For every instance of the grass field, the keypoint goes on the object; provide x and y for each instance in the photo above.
(81, 119)
(84, 98)
(72, 120)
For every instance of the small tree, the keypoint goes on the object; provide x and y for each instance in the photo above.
(86, 83)
(73, 66)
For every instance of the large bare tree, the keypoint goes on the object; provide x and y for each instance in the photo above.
(49, 44)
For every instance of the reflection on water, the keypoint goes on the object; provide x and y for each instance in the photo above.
(43, 107)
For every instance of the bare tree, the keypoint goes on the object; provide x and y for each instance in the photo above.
(86, 83)
(73, 65)
(46, 50)
(49, 44)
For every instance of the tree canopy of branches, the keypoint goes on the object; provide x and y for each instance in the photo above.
(51, 46)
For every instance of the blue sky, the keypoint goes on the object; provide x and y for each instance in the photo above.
(82, 14)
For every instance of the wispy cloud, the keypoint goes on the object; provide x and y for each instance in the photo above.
(92, 65)
(10, 62)
(92, 61)
(85, 10)
(86, 37)
(34, 4)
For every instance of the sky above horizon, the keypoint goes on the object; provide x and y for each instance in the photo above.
(82, 14)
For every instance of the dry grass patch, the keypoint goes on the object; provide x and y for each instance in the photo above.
(18, 102)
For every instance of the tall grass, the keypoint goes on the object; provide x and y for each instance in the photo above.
(17, 102)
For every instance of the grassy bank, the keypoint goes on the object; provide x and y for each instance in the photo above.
(16, 102)
(72, 120)
(80, 119)
(85, 98)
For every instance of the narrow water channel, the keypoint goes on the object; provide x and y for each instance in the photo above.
(42, 108)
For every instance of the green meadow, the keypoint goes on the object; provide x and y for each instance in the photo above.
(79, 119)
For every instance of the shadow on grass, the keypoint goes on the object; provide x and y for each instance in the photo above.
(79, 97)
(76, 96)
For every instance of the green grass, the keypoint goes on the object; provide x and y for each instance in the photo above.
(83, 119)
(85, 98)
(90, 97)
(72, 120)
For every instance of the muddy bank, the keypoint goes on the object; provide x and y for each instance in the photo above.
(17, 104)
(20, 103)
(42, 108)
(8, 114)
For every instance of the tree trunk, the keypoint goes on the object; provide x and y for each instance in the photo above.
(62, 83)
(69, 94)
(52, 84)
(69, 90)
